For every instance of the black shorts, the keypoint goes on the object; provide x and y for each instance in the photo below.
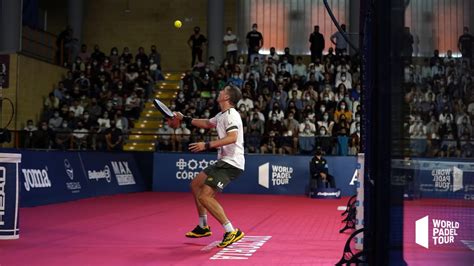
(220, 174)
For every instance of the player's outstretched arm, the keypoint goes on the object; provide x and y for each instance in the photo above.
(201, 123)
(202, 146)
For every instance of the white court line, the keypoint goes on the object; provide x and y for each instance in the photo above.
(341, 208)
(210, 246)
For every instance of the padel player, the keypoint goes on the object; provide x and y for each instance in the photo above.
(230, 164)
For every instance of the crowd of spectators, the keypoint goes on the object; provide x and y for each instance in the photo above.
(288, 106)
(440, 95)
(97, 102)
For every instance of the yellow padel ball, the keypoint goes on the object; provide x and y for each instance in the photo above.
(178, 23)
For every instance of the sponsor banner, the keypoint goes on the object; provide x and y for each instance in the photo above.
(112, 173)
(51, 177)
(327, 193)
(434, 179)
(264, 174)
(9, 195)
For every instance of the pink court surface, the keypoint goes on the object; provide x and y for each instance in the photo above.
(148, 229)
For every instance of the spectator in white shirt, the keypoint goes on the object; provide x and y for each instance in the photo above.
(76, 108)
(299, 68)
(230, 41)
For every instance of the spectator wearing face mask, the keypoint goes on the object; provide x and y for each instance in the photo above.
(345, 78)
(132, 106)
(464, 128)
(230, 41)
(325, 124)
(300, 68)
(62, 137)
(254, 41)
(76, 108)
(276, 111)
(42, 138)
(354, 123)
(182, 137)
(56, 121)
(165, 134)
(285, 66)
(196, 42)
(342, 110)
(236, 80)
(113, 137)
(307, 128)
(246, 101)
(80, 136)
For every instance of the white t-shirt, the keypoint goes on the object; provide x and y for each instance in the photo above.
(228, 121)
(231, 46)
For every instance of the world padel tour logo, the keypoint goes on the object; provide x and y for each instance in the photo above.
(188, 169)
(280, 175)
(443, 232)
(447, 179)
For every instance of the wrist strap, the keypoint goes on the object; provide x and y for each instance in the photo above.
(187, 120)
(208, 145)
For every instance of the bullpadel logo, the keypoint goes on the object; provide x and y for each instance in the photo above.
(442, 231)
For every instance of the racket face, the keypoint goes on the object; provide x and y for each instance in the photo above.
(163, 108)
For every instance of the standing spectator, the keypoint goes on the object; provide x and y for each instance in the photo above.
(465, 43)
(338, 40)
(289, 57)
(97, 55)
(407, 44)
(113, 137)
(230, 42)
(317, 44)
(84, 54)
(155, 56)
(29, 131)
(254, 42)
(141, 56)
(42, 137)
(196, 42)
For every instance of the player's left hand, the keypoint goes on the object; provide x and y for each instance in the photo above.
(197, 146)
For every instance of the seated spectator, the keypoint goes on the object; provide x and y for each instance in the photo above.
(55, 121)
(182, 138)
(133, 106)
(165, 134)
(320, 177)
(121, 122)
(269, 143)
(80, 136)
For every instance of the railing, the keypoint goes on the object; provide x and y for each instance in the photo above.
(78, 140)
(338, 145)
(40, 44)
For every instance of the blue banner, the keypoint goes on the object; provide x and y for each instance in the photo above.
(424, 178)
(264, 174)
(54, 176)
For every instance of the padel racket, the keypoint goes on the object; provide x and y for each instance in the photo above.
(164, 110)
